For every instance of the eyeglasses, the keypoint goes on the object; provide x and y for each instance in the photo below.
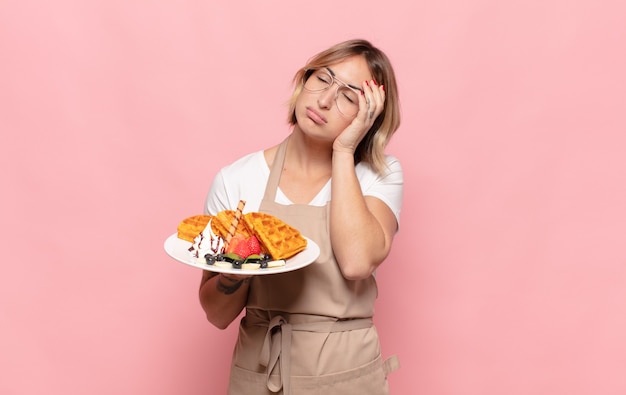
(346, 96)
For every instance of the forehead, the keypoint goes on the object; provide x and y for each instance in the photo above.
(353, 70)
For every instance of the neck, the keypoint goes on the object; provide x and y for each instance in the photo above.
(308, 155)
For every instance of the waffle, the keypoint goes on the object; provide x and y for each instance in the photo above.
(191, 227)
(281, 240)
(222, 221)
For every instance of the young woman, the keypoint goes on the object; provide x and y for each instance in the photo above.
(310, 331)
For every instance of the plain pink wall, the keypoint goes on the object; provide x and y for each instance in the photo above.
(508, 275)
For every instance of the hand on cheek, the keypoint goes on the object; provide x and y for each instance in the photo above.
(371, 104)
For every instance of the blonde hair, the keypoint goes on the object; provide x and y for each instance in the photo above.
(371, 149)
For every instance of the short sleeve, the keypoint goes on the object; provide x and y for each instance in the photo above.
(217, 198)
(387, 187)
(244, 179)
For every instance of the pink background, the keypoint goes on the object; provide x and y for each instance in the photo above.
(508, 275)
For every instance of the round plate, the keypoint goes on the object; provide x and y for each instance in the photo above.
(179, 250)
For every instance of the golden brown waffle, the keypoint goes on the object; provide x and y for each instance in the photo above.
(281, 240)
(222, 221)
(191, 227)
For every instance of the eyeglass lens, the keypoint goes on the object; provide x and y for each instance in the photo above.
(347, 98)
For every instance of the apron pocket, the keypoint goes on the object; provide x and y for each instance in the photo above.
(369, 379)
(247, 382)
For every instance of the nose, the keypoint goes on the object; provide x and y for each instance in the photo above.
(327, 97)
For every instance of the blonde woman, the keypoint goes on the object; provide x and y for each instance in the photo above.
(310, 331)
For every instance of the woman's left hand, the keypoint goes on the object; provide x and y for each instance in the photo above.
(371, 104)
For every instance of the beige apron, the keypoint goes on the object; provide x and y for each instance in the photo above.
(308, 331)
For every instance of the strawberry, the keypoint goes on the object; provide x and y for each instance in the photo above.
(254, 245)
(242, 249)
(234, 241)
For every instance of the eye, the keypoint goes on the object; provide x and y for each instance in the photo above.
(349, 95)
(323, 77)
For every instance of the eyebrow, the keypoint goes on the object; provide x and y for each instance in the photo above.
(350, 85)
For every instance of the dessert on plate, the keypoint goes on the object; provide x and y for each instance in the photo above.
(248, 241)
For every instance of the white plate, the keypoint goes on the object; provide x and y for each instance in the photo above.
(179, 250)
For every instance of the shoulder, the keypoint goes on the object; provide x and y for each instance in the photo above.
(248, 172)
(388, 187)
(393, 171)
(251, 160)
(393, 165)
(260, 160)
(244, 179)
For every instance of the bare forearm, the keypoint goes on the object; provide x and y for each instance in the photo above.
(223, 298)
(359, 240)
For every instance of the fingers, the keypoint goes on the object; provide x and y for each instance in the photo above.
(374, 100)
(371, 105)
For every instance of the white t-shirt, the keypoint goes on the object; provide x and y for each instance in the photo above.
(247, 177)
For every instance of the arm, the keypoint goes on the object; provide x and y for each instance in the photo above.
(223, 297)
(361, 227)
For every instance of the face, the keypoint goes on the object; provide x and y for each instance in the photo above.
(317, 112)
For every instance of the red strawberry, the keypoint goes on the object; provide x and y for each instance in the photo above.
(242, 249)
(254, 245)
(234, 242)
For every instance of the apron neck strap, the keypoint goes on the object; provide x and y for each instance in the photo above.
(275, 172)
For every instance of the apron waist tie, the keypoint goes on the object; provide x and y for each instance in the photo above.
(276, 351)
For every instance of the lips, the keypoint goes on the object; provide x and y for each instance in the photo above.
(315, 116)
